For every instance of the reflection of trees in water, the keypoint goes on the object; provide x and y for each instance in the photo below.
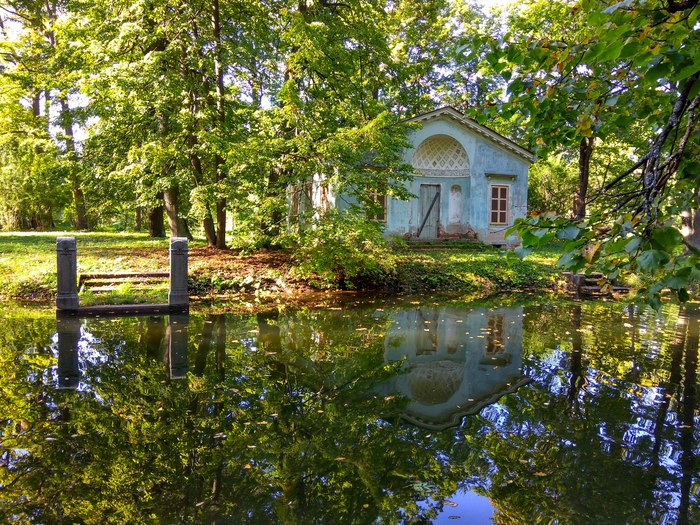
(604, 464)
(275, 424)
(687, 430)
(577, 375)
(258, 434)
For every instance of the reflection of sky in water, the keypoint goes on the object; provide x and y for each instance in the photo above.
(466, 507)
(91, 351)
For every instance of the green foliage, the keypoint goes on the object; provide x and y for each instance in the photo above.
(550, 185)
(620, 250)
(345, 251)
(624, 74)
(476, 269)
(33, 182)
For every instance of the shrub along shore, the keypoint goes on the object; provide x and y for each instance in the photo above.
(28, 270)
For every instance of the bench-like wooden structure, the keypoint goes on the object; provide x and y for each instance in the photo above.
(68, 303)
(589, 284)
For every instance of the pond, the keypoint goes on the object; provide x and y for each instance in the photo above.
(373, 411)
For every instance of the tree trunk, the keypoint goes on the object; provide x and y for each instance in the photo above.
(76, 183)
(171, 197)
(79, 200)
(36, 105)
(156, 226)
(221, 121)
(271, 225)
(196, 163)
(584, 169)
(177, 225)
(198, 80)
(221, 223)
(209, 229)
(138, 219)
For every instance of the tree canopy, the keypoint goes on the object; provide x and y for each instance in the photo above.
(114, 114)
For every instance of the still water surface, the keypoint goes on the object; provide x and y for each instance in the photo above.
(374, 412)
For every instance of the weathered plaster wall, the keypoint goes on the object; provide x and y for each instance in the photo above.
(489, 164)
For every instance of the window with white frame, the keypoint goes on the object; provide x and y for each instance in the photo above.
(498, 207)
(495, 336)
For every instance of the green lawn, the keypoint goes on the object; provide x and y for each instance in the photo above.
(28, 267)
(28, 259)
(478, 269)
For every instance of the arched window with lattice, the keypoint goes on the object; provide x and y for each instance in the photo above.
(441, 156)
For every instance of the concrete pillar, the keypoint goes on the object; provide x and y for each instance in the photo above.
(177, 345)
(68, 331)
(178, 272)
(67, 274)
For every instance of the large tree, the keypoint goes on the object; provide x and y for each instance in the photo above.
(634, 68)
(38, 63)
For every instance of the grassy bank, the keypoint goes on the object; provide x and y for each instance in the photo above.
(476, 268)
(28, 269)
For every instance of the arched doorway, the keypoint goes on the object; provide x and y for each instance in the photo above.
(437, 157)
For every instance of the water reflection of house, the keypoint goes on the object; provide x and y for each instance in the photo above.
(457, 360)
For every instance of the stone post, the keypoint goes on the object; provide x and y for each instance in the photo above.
(67, 274)
(177, 345)
(579, 280)
(68, 331)
(178, 272)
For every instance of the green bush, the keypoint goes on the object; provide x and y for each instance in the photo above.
(346, 251)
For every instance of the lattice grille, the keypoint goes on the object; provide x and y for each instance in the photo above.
(441, 153)
(435, 382)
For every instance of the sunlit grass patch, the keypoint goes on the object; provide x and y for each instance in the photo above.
(484, 269)
(126, 293)
(28, 259)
